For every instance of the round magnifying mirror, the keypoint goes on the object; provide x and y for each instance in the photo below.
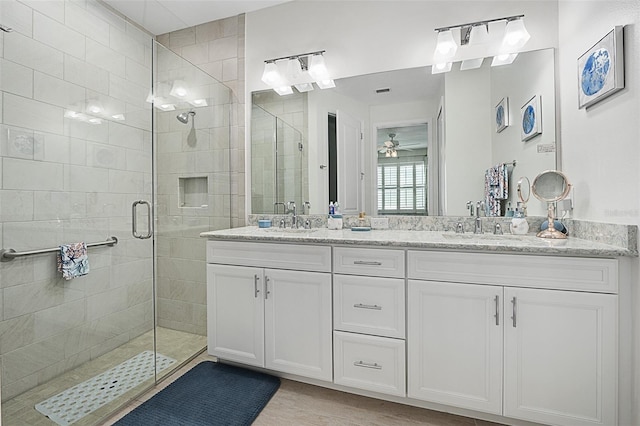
(551, 186)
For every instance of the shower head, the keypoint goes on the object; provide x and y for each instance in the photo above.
(183, 117)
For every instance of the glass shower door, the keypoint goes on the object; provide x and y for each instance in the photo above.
(191, 151)
(89, 134)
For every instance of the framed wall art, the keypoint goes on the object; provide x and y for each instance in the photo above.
(531, 118)
(601, 69)
(502, 114)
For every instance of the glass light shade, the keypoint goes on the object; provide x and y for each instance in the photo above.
(94, 107)
(441, 67)
(163, 105)
(317, 68)
(394, 154)
(283, 90)
(446, 46)
(388, 153)
(471, 64)
(304, 87)
(504, 59)
(294, 69)
(198, 102)
(326, 84)
(271, 75)
(479, 34)
(515, 35)
(178, 89)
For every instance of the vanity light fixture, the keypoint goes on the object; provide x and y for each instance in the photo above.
(515, 34)
(301, 71)
(503, 59)
(446, 46)
(178, 89)
(198, 102)
(515, 37)
(441, 67)
(471, 64)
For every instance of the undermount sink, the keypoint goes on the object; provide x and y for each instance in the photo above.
(481, 237)
(291, 230)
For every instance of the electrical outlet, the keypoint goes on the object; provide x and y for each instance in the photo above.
(379, 223)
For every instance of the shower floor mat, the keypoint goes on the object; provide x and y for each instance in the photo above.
(76, 402)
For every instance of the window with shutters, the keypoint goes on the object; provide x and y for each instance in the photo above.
(402, 188)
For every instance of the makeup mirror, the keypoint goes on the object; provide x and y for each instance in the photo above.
(551, 186)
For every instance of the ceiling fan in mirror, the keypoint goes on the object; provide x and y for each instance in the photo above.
(388, 148)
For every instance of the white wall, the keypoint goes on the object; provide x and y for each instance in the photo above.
(600, 146)
(467, 113)
(378, 36)
(530, 74)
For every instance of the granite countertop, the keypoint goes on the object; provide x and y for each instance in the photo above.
(436, 240)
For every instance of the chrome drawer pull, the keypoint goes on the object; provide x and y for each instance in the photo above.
(361, 306)
(365, 262)
(375, 365)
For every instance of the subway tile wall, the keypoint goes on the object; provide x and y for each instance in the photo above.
(65, 180)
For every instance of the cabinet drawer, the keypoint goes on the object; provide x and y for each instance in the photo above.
(369, 305)
(371, 262)
(516, 270)
(270, 255)
(369, 362)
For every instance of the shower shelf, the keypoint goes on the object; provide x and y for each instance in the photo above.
(7, 255)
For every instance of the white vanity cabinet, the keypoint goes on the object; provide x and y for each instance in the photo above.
(369, 319)
(554, 351)
(267, 317)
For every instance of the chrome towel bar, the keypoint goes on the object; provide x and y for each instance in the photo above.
(7, 255)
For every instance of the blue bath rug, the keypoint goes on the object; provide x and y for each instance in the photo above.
(209, 394)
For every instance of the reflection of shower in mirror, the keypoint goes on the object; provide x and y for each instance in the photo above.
(184, 118)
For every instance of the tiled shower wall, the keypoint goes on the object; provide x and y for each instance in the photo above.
(65, 180)
(218, 48)
(194, 192)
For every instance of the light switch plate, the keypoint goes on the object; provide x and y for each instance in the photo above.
(380, 223)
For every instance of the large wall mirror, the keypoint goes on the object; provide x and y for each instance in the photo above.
(404, 142)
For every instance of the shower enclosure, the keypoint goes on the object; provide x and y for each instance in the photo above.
(91, 148)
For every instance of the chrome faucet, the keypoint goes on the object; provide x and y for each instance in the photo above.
(306, 207)
(478, 227)
(470, 208)
(275, 207)
(291, 208)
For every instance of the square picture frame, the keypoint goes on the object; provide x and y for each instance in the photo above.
(601, 69)
(531, 118)
(501, 114)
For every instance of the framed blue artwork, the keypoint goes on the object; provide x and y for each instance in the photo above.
(531, 118)
(502, 114)
(601, 69)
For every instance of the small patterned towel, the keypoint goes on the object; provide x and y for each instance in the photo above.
(73, 261)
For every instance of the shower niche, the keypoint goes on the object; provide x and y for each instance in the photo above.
(193, 191)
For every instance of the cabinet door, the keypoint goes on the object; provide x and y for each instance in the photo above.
(298, 323)
(454, 341)
(561, 357)
(235, 313)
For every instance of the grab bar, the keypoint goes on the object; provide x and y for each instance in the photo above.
(7, 255)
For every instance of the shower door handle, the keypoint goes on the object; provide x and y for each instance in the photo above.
(134, 220)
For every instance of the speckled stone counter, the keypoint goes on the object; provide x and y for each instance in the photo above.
(434, 240)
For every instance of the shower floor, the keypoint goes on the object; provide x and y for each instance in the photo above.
(178, 345)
